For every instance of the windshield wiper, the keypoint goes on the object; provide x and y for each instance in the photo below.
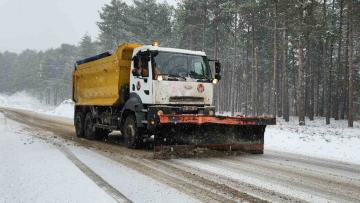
(203, 80)
(200, 78)
(172, 76)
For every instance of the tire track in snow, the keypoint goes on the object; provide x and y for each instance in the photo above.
(99, 181)
(274, 176)
(299, 183)
(248, 188)
(195, 186)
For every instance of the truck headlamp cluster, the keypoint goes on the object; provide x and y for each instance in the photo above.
(215, 81)
(211, 112)
(159, 78)
(156, 43)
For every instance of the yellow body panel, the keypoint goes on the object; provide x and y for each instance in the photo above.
(98, 82)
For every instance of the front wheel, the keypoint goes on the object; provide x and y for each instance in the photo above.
(131, 132)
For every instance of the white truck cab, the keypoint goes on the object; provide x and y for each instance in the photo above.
(169, 76)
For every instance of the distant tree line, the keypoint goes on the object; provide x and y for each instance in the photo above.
(279, 58)
(44, 74)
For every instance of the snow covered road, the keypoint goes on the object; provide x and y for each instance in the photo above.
(33, 171)
(37, 166)
(274, 176)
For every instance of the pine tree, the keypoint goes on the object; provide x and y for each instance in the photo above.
(114, 24)
(87, 47)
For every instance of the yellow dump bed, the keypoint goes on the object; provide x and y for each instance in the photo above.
(98, 81)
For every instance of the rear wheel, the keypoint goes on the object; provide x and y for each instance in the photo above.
(79, 124)
(90, 131)
(131, 132)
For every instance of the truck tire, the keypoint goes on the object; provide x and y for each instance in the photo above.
(91, 132)
(79, 124)
(131, 132)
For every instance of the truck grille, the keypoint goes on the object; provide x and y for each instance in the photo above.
(187, 99)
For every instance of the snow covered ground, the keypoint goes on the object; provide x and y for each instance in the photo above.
(31, 170)
(23, 100)
(334, 141)
(36, 170)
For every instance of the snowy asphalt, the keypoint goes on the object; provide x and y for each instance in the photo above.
(134, 175)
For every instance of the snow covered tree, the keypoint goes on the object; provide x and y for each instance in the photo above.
(87, 47)
(114, 24)
(143, 22)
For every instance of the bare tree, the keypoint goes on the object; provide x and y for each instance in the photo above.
(350, 63)
(274, 85)
(301, 70)
(285, 102)
(339, 66)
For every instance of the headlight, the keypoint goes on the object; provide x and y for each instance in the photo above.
(211, 112)
(159, 113)
(156, 43)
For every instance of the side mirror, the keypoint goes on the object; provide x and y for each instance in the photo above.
(217, 67)
(136, 62)
(218, 76)
(135, 71)
(217, 70)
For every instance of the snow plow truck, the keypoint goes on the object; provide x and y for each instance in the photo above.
(159, 95)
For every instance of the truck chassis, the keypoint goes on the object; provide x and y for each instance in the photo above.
(173, 134)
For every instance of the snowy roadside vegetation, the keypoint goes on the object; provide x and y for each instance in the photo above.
(335, 141)
(23, 100)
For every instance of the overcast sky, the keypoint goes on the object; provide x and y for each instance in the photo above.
(44, 24)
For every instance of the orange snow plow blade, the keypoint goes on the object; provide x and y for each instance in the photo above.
(204, 119)
(188, 135)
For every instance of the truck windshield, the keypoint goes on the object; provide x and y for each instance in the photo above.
(180, 65)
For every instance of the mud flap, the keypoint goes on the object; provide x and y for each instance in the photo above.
(187, 140)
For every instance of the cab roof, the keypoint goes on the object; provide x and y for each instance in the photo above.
(167, 49)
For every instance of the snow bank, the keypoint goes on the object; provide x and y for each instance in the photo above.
(25, 101)
(65, 109)
(335, 141)
(22, 100)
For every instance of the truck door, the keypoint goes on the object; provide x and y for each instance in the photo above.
(140, 79)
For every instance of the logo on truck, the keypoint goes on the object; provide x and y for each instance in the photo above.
(201, 88)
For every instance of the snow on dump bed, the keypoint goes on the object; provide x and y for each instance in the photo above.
(334, 141)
